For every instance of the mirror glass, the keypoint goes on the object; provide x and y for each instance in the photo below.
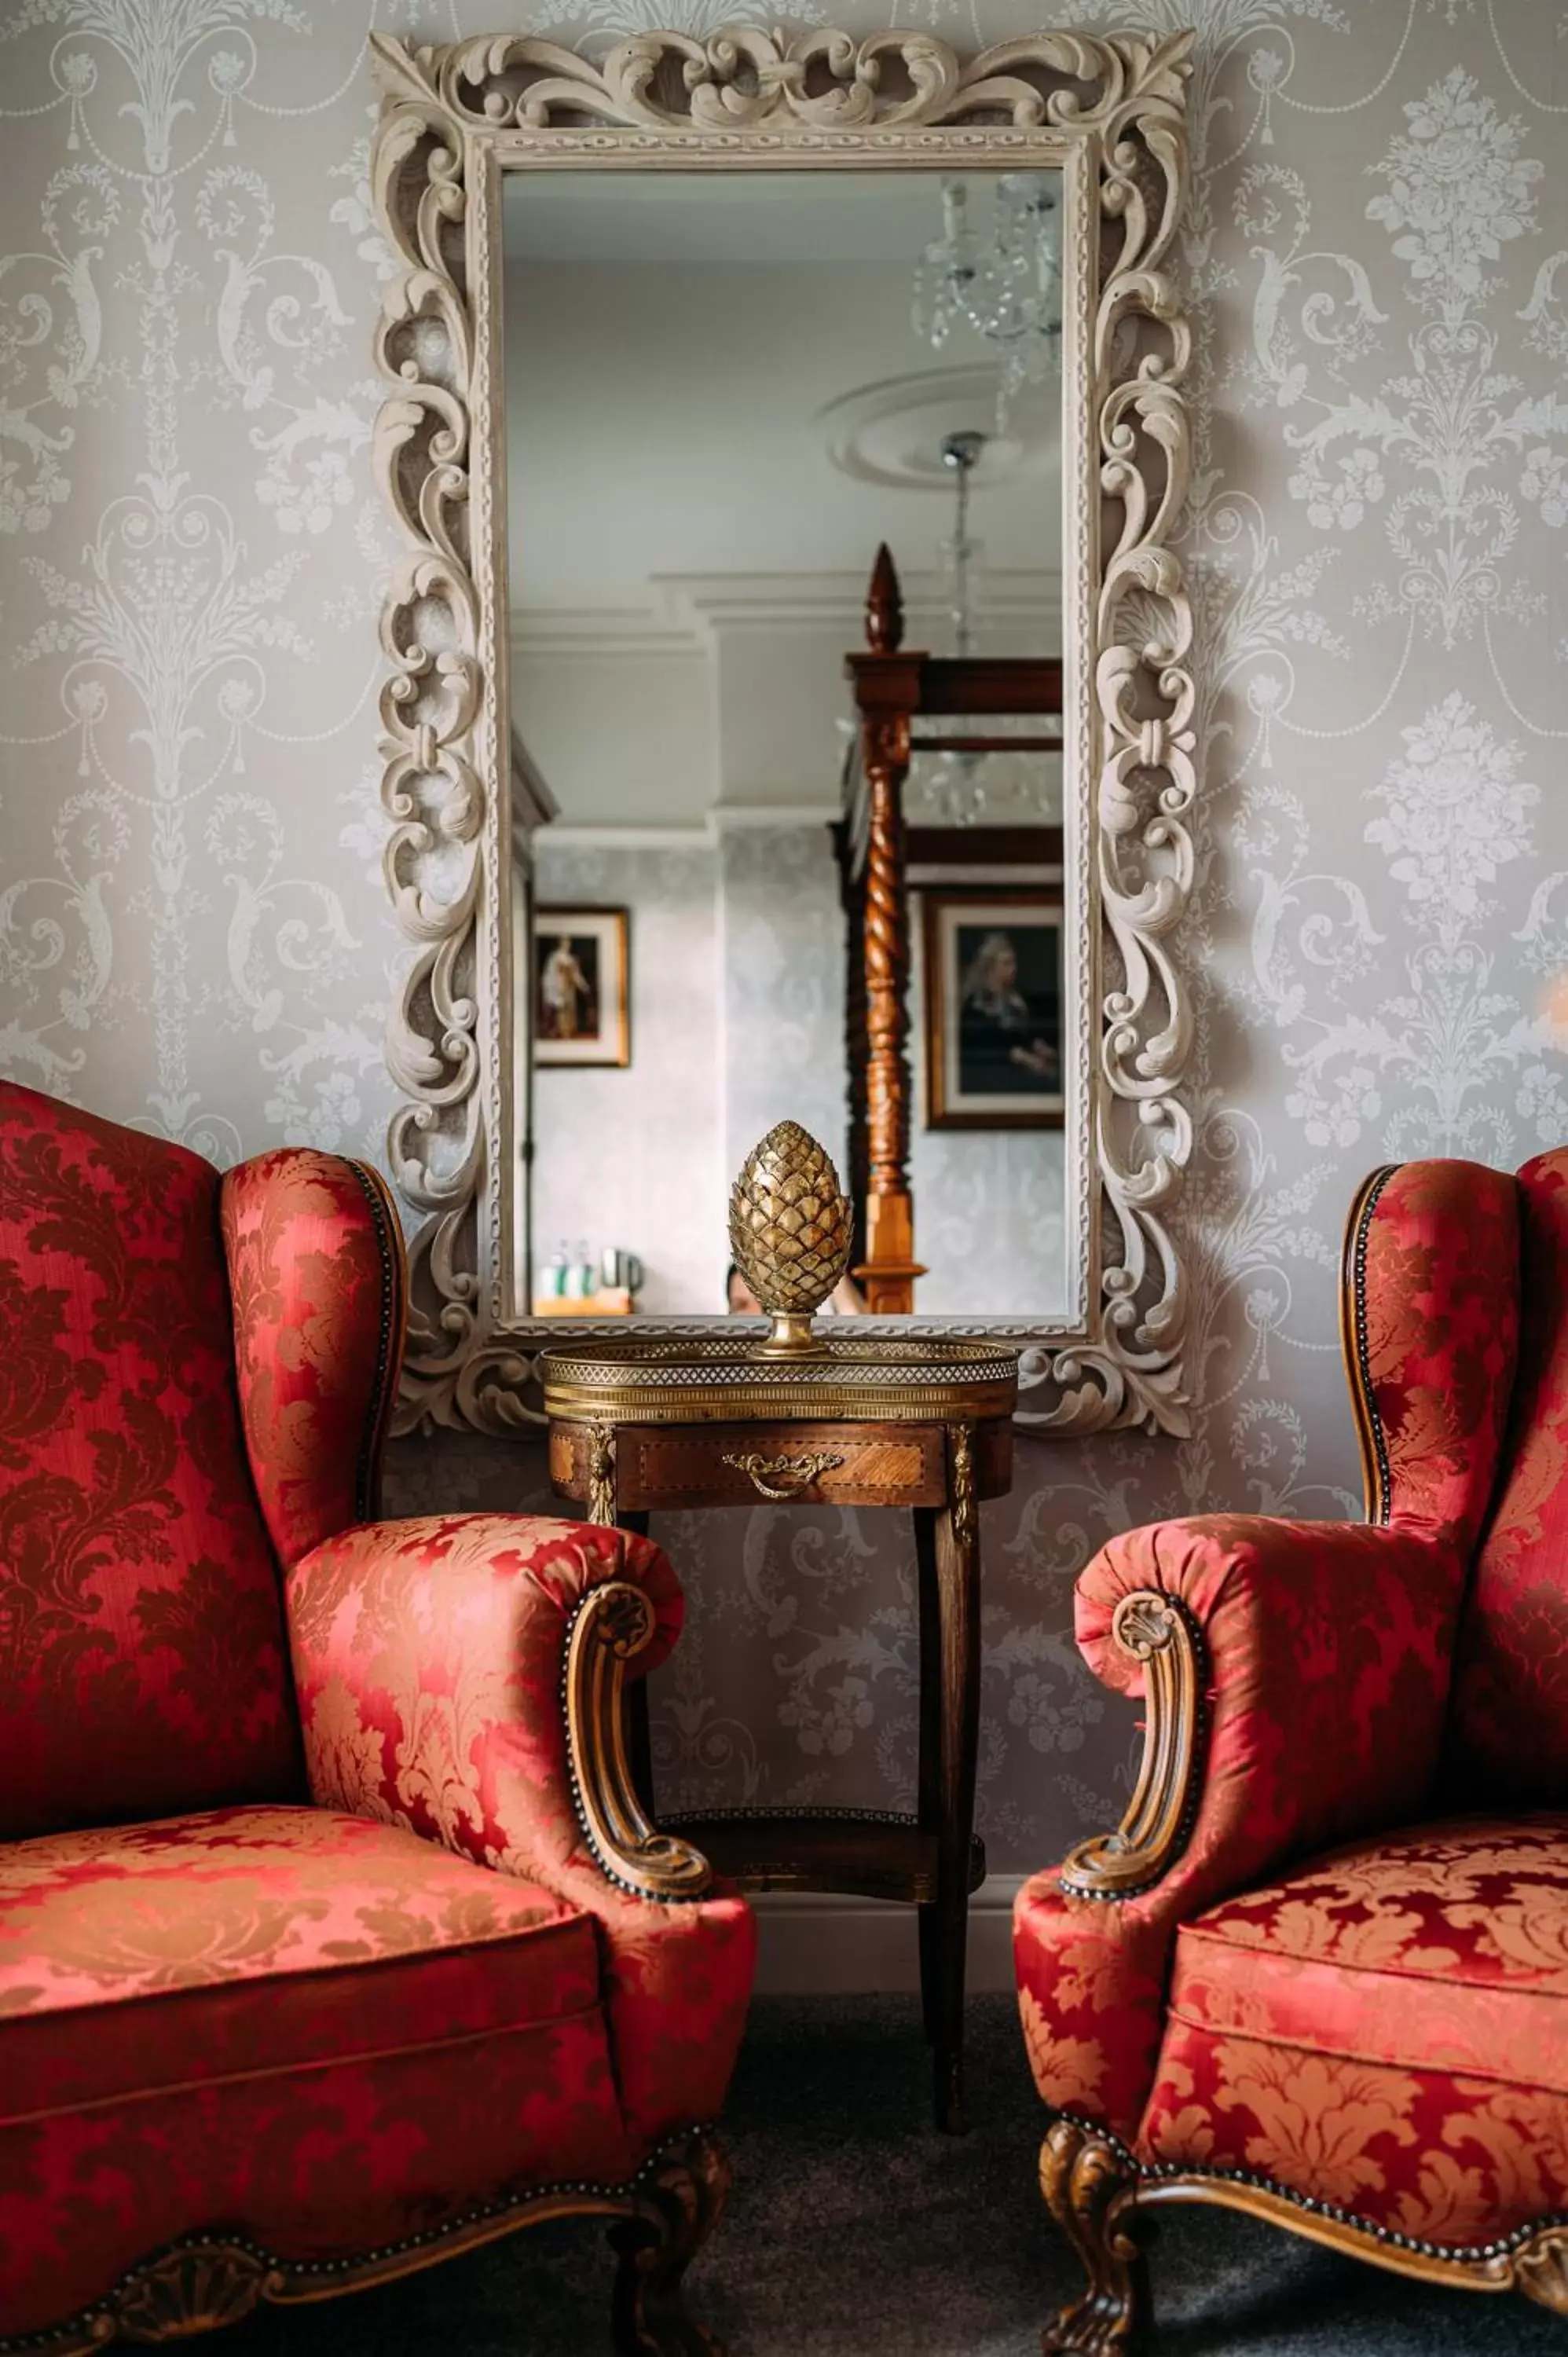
(724, 393)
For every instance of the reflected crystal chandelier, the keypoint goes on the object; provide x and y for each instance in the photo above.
(1009, 293)
(963, 785)
(953, 780)
(960, 455)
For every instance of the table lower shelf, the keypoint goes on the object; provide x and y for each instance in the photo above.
(855, 1852)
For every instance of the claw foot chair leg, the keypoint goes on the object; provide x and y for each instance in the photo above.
(1089, 2191)
(677, 2208)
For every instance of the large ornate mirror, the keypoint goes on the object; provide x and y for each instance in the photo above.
(790, 716)
(721, 396)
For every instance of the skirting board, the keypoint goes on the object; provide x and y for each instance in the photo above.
(814, 1943)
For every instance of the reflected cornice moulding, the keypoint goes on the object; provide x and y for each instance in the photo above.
(1108, 112)
(739, 818)
(587, 836)
(723, 818)
(691, 609)
(771, 601)
(615, 633)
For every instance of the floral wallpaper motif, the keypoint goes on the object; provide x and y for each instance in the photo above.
(191, 929)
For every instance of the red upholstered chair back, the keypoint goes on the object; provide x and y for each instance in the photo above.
(1432, 1330)
(143, 1662)
(1511, 1699)
(318, 1287)
(1456, 1317)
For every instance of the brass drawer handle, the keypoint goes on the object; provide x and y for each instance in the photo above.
(790, 1474)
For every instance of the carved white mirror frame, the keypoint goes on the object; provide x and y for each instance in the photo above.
(1109, 113)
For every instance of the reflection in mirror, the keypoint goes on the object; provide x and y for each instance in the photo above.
(725, 397)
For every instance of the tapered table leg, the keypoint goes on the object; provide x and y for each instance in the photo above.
(947, 1556)
(929, 1785)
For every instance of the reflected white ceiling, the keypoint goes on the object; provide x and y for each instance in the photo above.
(760, 219)
(680, 350)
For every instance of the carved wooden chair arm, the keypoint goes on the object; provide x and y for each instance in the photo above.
(1158, 1631)
(611, 1626)
(1294, 1677)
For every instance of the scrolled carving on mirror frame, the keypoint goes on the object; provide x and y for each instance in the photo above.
(450, 116)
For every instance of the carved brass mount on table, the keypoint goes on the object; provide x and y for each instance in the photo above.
(713, 1378)
(782, 1479)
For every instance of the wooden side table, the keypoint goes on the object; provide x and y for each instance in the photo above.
(637, 1427)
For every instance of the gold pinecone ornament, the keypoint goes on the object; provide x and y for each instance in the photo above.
(789, 1229)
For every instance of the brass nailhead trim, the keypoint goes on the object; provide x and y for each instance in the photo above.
(365, 1465)
(762, 1816)
(584, 2187)
(1363, 1362)
(1462, 2253)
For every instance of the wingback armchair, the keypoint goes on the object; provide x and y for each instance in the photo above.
(332, 1937)
(1321, 1972)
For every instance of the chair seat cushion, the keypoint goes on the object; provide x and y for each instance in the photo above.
(322, 2031)
(1386, 2029)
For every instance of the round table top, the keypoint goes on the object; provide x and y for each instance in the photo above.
(844, 1378)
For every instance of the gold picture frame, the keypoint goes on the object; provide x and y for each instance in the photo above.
(581, 982)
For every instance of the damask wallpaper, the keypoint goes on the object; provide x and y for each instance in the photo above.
(191, 926)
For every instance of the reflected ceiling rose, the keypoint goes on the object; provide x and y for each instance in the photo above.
(892, 432)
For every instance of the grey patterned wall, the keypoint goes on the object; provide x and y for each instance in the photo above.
(191, 932)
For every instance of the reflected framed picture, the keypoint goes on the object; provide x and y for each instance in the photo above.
(581, 997)
(993, 979)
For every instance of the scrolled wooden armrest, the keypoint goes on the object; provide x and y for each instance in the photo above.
(611, 1626)
(1160, 1631)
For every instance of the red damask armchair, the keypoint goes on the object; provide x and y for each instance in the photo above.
(1321, 1973)
(332, 1938)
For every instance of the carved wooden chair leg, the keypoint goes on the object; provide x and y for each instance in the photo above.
(679, 2204)
(1090, 2193)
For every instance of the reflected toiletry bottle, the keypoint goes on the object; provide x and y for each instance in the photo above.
(552, 1276)
(619, 1270)
(580, 1273)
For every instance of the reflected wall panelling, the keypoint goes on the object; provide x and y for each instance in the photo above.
(192, 925)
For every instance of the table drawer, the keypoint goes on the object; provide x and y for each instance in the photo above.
(746, 1464)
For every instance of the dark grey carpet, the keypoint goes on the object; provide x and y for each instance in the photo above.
(856, 2231)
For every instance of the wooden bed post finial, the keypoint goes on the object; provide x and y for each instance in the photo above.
(883, 606)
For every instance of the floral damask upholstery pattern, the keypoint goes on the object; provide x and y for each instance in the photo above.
(142, 1666)
(327, 2027)
(317, 1331)
(327, 1994)
(1381, 2028)
(1371, 2031)
(1327, 1648)
(1438, 1310)
(427, 1662)
(1511, 1685)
